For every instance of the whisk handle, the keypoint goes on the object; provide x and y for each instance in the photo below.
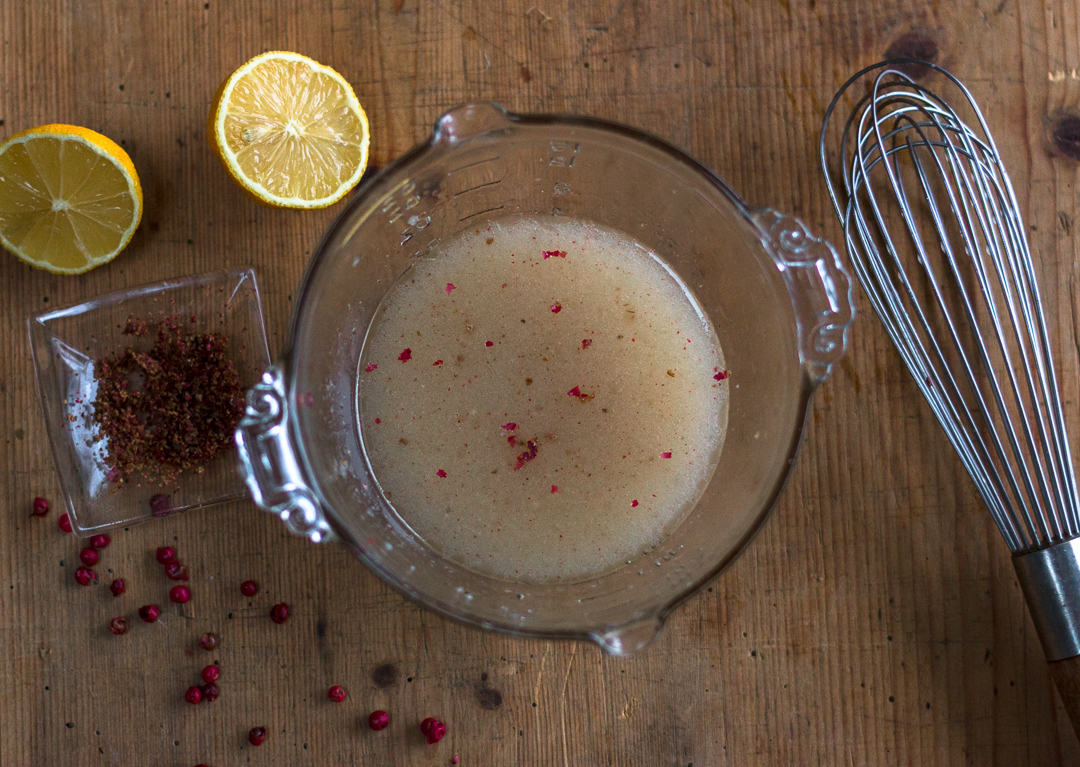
(1066, 674)
(1050, 580)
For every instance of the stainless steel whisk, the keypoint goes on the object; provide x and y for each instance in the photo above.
(934, 232)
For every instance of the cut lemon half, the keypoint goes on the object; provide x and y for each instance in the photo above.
(290, 131)
(69, 198)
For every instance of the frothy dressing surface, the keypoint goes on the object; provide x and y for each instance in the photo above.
(542, 401)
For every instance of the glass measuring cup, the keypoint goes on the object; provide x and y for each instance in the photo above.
(779, 297)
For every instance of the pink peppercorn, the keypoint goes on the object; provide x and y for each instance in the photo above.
(211, 673)
(249, 588)
(84, 575)
(433, 729)
(279, 613)
(336, 693)
(149, 613)
(88, 556)
(117, 587)
(166, 554)
(193, 695)
(179, 594)
(64, 523)
(175, 571)
(41, 507)
(100, 541)
(209, 692)
(256, 736)
(208, 642)
(378, 720)
(118, 626)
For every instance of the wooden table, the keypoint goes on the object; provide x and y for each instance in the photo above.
(875, 621)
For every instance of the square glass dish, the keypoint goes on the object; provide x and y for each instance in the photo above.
(66, 343)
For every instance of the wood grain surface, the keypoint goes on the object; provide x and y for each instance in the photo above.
(875, 621)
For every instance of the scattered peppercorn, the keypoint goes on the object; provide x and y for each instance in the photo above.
(84, 575)
(183, 414)
(280, 613)
(193, 695)
(41, 507)
(166, 554)
(249, 588)
(88, 556)
(100, 541)
(64, 522)
(256, 736)
(175, 571)
(209, 692)
(379, 720)
(179, 594)
(433, 730)
(149, 613)
(118, 626)
(208, 642)
(336, 693)
(211, 673)
(117, 587)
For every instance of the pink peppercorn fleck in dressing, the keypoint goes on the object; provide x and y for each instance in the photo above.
(580, 485)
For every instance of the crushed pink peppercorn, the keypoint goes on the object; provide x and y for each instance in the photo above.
(436, 363)
(509, 426)
(554, 488)
(450, 286)
(371, 367)
(721, 374)
(633, 504)
(553, 253)
(576, 392)
(184, 413)
(527, 456)
(586, 343)
(488, 343)
(556, 308)
(440, 473)
(406, 355)
(666, 454)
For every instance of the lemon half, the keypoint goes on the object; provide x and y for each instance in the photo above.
(70, 198)
(290, 131)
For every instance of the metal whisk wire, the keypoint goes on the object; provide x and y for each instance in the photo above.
(980, 352)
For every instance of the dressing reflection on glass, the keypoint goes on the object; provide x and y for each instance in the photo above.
(542, 401)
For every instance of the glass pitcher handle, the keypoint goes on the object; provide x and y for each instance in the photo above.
(819, 286)
(268, 463)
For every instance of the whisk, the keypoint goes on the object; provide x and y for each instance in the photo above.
(935, 235)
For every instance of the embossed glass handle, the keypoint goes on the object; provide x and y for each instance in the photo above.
(268, 463)
(819, 285)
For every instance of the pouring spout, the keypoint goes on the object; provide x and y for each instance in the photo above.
(629, 638)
